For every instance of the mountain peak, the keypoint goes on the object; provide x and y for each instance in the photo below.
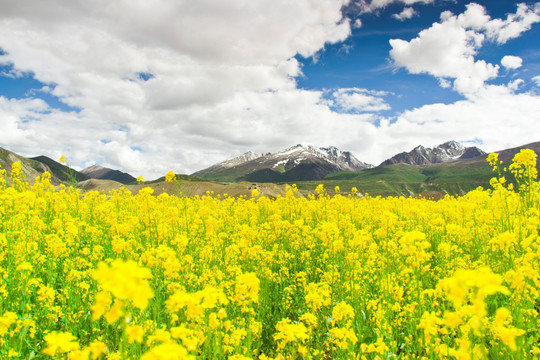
(452, 144)
(299, 162)
(420, 155)
(100, 172)
(300, 147)
(92, 168)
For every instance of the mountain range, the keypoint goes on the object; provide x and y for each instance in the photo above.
(298, 163)
(448, 168)
(450, 150)
(309, 163)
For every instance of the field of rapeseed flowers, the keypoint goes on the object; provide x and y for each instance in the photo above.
(122, 276)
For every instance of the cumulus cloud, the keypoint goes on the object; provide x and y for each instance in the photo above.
(514, 85)
(515, 24)
(536, 79)
(207, 30)
(448, 48)
(407, 13)
(202, 60)
(367, 6)
(496, 116)
(15, 116)
(511, 62)
(360, 100)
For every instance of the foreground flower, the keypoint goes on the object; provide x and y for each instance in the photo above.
(288, 332)
(170, 177)
(126, 280)
(59, 343)
(167, 351)
(135, 333)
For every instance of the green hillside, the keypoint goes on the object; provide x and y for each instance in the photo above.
(407, 180)
(394, 173)
(62, 172)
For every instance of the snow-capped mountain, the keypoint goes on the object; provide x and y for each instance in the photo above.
(303, 153)
(451, 150)
(300, 162)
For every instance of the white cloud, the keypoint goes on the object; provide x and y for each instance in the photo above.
(511, 62)
(445, 50)
(536, 79)
(207, 30)
(14, 118)
(514, 85)
(373, 5)
(444, 83)
(515, 24)
(205, 57)
(360, 100)
(491, 116)
(407, 13)
(448, 48)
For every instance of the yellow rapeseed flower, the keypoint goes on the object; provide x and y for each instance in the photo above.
(170, 176)
(60, 343)
(126, 280)
(287, 332)
(135, 333)
(247, 288)
(8, 319)
(342, 311)
(167, 351)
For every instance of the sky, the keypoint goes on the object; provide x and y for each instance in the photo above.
(151, 86)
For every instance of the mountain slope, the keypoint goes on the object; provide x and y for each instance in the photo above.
(222, 169)
(30, 168)
(448, 151)
(62, 172)
(103, 173)
(297, 163)
(34, 167)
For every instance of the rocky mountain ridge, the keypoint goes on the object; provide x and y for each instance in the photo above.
(297, 163)
(420, 155)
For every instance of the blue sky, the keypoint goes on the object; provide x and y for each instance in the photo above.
(146, 88)
(363, 59)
